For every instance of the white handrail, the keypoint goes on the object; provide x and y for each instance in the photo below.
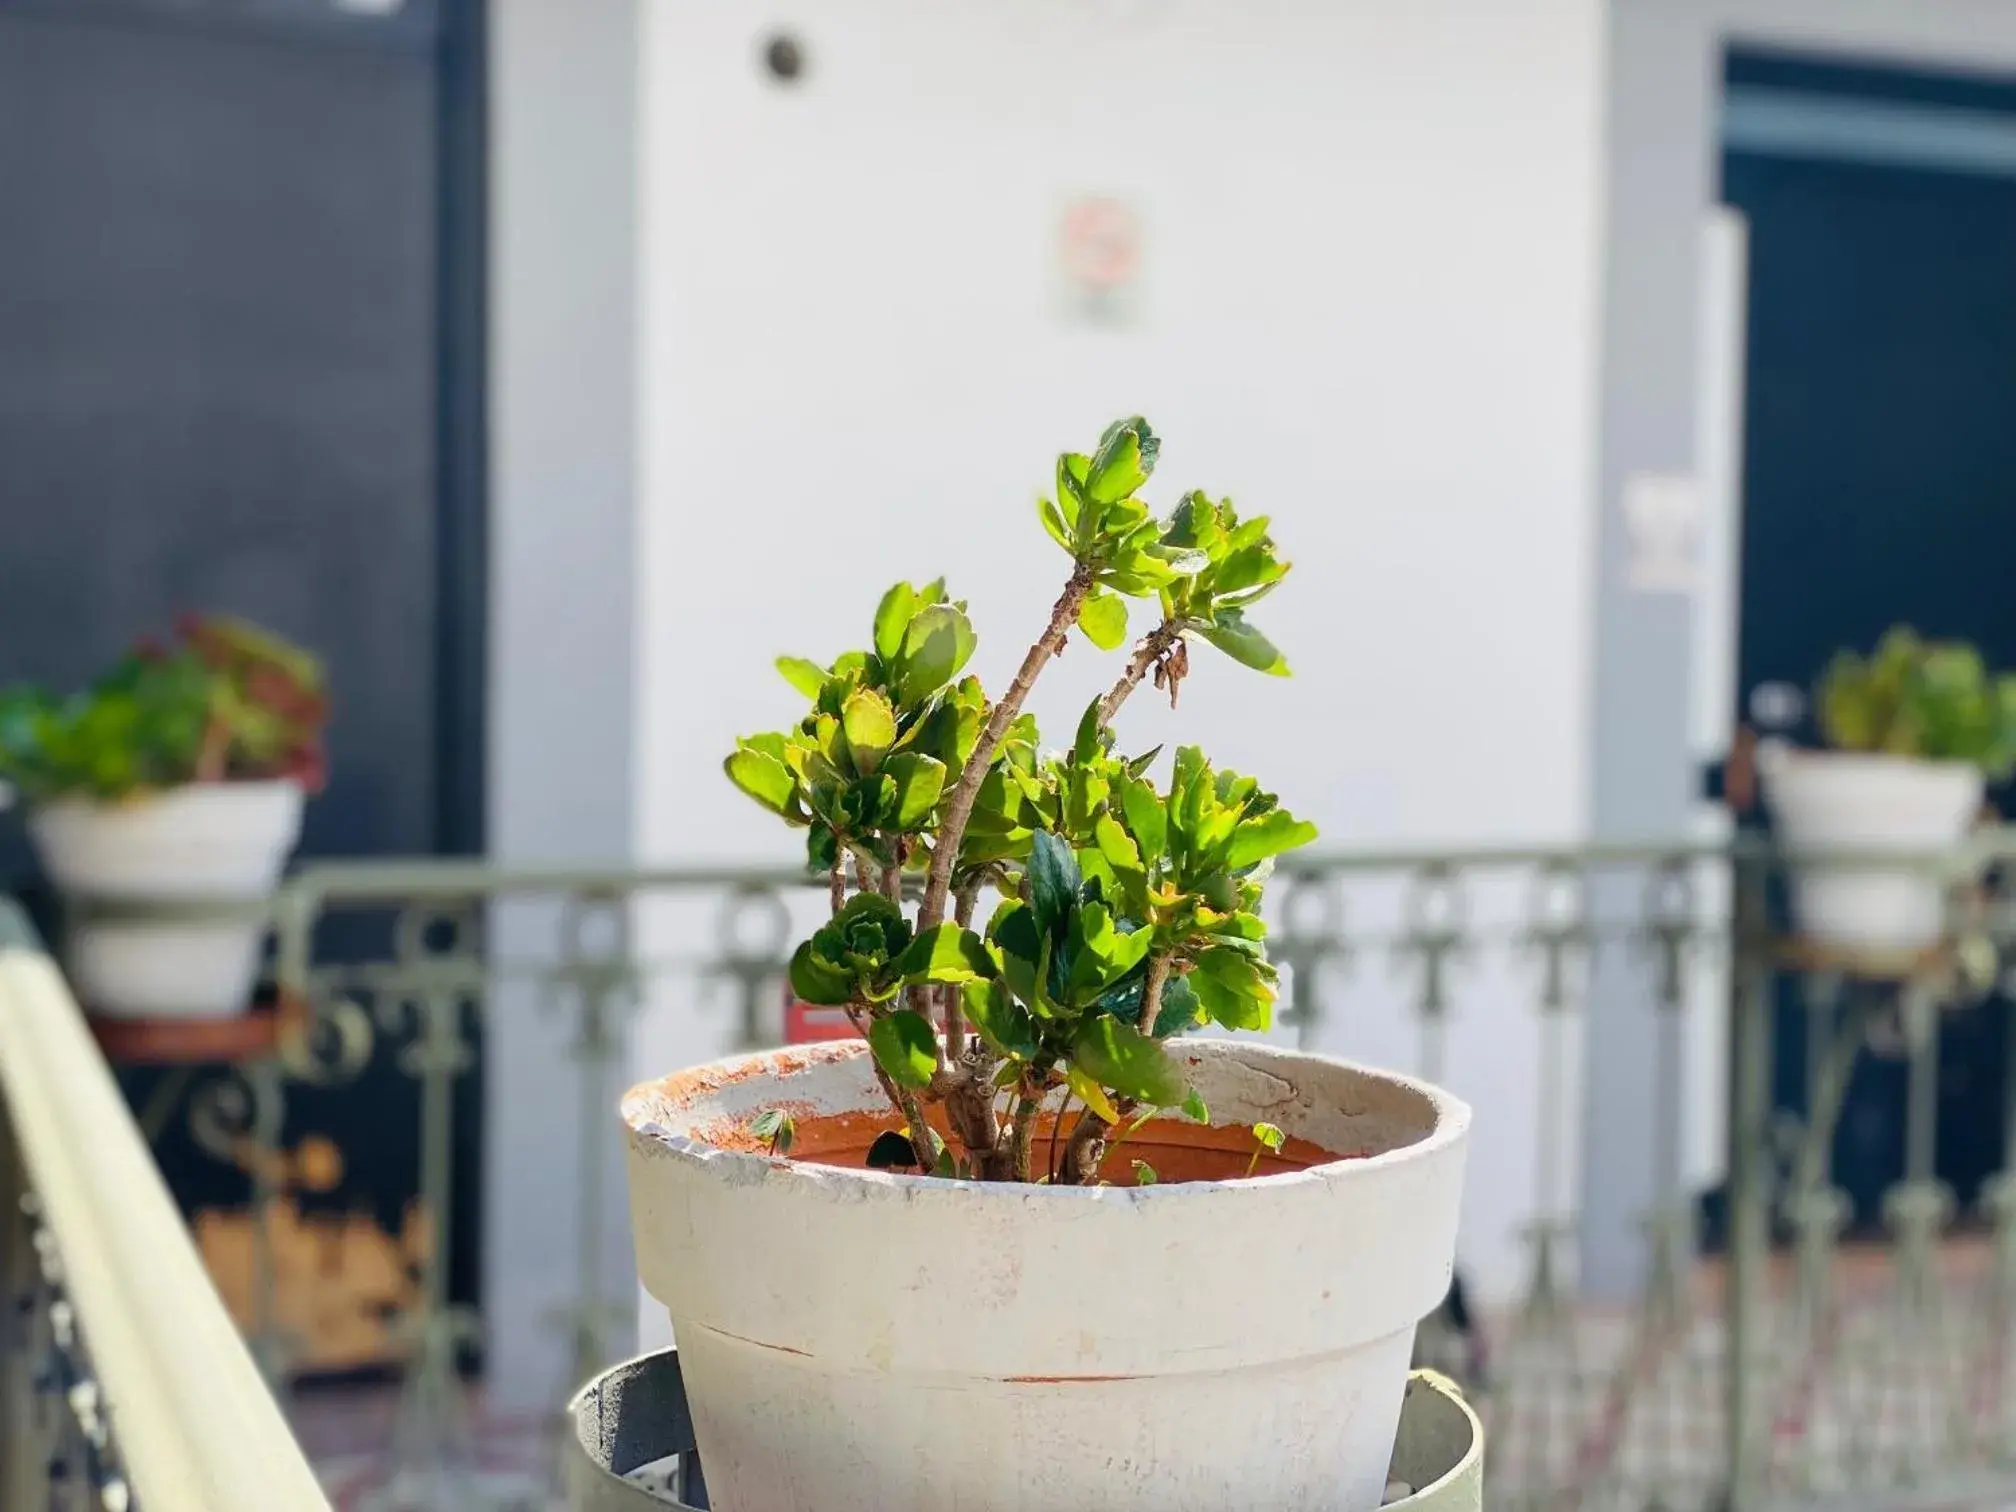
(194, 1425)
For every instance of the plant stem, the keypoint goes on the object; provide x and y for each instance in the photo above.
(1086, 1150)
(1153, 647)
(1151, 992)
(955, 1015)
(959, 807)
(836, 884)
(1026, 1109)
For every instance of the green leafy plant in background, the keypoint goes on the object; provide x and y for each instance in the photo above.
(1930, 700)
(1124, 912)
(224, 701)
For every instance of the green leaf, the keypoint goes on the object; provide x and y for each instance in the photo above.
(1179, 1008)
(817, 981)
(1129, 1062)
(937, 644)
(776, 1126)
(1115, 845)
(1004, 1023)
(1145, 817)
(1101, 954)
(1269, 1135)
(1125, 458)
(1144, 1174)
(1053, 523)
(1090, 1093)
(946, 952)
(1103, 618)
(763, 777)
(806, 676)
(871, 727)
(905, 1047)
(1072, 504)
(1243, 643)
(1194, 1108)
(892, 618)
(919, 781)
(1233, 989)
(1053, 879)
(1269, 835)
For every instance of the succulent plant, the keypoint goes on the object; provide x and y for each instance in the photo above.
(1933, 700)
(225, 701)
(1125, 912)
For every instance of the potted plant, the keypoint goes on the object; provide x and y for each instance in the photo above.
(1019, 1244)
(177, 777)
(1912, 729)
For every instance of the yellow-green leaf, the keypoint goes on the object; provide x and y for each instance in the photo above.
(762, 776)
(1103, 618)
(871, 727)
(1092, 1095)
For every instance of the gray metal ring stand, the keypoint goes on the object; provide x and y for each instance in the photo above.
(635, 1416)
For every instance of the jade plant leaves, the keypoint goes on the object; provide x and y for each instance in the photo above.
(905, 1047)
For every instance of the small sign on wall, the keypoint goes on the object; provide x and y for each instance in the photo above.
(1662, 533)
(1099, 261)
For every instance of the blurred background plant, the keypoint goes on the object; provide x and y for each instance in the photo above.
(1928, 700)
(223, 701)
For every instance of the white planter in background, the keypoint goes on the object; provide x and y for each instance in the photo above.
(857, 1341)
(208, 841)
(1849, 801)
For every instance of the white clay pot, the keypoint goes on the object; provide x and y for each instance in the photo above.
(1869, 804)
(859, 1341)
(222, 842)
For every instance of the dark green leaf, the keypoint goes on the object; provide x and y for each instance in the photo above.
(763, 777)
(1179, 1008)
(1103, 618)
(1128, 1061)
(905, 1047)
(1053, 879)
(1003, 1023)
(1244, 644)
(817, 981)
(1270, 835)
(776, 1126)
(946, 952)
(807, 677)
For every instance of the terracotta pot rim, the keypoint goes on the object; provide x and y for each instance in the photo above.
(649, 1137)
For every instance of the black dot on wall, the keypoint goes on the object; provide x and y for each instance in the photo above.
(784, 58)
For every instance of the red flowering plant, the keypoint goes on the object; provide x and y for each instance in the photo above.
(222, 701)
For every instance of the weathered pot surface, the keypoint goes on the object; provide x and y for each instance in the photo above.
(858, 1340)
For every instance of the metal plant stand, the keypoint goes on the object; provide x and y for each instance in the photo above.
(631, 1448)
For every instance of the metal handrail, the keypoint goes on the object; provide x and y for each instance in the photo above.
(184, 1410)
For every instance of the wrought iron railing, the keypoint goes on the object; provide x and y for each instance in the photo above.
(124, 1386)
(1739, 1228)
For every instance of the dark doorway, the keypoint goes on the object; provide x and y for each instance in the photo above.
(241, 368)
(1879, 483)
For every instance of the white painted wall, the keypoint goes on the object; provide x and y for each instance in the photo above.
(1371, 288)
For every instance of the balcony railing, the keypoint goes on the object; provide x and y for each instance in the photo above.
(124, 1385)
(1739, 1228)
